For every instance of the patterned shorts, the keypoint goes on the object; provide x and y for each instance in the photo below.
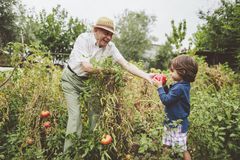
(175, 138)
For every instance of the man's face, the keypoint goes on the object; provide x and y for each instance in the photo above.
(103, 37)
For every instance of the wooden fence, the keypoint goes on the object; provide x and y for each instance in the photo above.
(214, 58)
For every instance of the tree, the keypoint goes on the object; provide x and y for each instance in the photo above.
(57, 31)
(8, 18)
(221, 32)
(28, 26)
(171, 47)
(177, 35)
(165, 53)
(133, 29)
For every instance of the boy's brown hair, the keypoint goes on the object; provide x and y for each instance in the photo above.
(185, 66)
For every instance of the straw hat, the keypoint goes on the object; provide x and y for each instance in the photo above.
(105, 23)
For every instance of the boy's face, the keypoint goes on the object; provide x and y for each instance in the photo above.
(175, 76)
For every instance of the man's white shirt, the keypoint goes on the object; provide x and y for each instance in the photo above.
(85, 49)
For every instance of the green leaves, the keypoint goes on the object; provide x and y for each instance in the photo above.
(178, 34)
(214, 116)
(131, 113)
(221, 31)
(134, 34)
(145, 143)
(8, 17)
(171, 47)
(58, 31)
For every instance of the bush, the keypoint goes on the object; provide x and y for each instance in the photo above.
(131, 113)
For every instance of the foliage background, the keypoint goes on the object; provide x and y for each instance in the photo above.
(132, 114)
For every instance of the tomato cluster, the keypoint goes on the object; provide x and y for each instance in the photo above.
(45, 114)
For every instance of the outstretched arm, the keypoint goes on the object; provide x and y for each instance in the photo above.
(134, 70)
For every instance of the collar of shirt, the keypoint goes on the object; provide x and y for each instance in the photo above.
(180, 82)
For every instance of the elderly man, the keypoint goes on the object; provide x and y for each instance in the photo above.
(97, 45)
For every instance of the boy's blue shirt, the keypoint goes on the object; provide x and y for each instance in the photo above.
(177, 103)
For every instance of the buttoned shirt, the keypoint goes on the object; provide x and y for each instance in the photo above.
(177, 103)
(85, 49)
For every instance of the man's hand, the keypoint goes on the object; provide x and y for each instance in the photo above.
(87, 67)
(97, 70)
(150, 78)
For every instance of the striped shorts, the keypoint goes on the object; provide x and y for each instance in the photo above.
(174, 137)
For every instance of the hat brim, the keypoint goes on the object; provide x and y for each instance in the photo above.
(105, 28)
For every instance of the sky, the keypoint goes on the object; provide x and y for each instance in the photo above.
(164, 10)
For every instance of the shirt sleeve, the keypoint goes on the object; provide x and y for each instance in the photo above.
(117, 56)
(169, 98)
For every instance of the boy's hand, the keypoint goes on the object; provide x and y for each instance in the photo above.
(161, 77)
(150, 77)
(159, 80)
(157, 83)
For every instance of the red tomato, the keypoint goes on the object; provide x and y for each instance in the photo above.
(160, 77)
(47, 124)
(45, 114)
(107, 139)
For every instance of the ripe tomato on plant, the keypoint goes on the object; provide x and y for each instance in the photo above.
(47, 124)
(106, 139)
(160, 77)
(45, 114)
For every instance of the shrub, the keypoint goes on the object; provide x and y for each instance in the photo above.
(131, 113)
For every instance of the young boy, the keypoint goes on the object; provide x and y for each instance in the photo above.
(183, 70)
